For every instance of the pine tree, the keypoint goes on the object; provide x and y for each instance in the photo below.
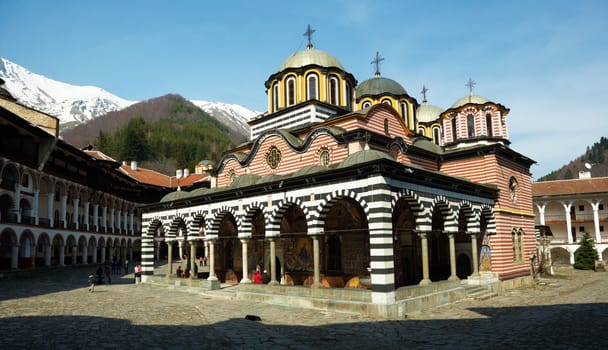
(586, 255)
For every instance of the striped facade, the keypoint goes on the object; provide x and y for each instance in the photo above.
(357, 194)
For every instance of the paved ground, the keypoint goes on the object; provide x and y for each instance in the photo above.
(55, 311)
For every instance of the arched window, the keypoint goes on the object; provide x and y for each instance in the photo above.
(324, 156)
(386, 101)
(275, 97)
(404, 111)
(291, 91)
(273, 157)
(421, 131)
(454, 133)
(312, 87)
(513, 189)
(436, 135)
(489, 124)
(366, 104)
(349, 97)
(334, 92)
(471, 125)
(386, 126)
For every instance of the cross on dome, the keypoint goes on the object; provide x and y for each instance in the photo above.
(423, 92)
(308, 33)
(470, 84)
(377, 61)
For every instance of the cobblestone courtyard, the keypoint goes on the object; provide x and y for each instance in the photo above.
(55, 311)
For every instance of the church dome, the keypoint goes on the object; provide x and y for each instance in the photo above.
(310, 56)
(470, 99)
(428, 113)
(379, 86)
(363, 156)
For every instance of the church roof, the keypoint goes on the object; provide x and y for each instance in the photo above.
(310, 56)
(363, 156)
(379, 86)
(427, 113)
(469, 99)
(570, 187)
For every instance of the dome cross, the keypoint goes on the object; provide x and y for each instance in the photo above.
(470, 84)
(377, 61)
(308, 33)
(423, 92)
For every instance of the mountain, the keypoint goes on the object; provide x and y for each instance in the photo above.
(233, 116)
(71, 104)
(594, 163)
(75, 105)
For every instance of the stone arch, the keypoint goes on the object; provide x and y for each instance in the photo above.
(70, 255)
(57, 249)
(8, 239)
(346, 239)
(252, 212)
(27, 249)
(178, 224)
(197, 225)
(560, 256)
(327, 203)
(276, 216)
(10, 176)
(217, 217)
(43, 250)
(442, 221)
(407, 249)
(7, 204)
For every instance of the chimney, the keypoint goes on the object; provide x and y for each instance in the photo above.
(134, 165)
(124, 162)
(186, 172)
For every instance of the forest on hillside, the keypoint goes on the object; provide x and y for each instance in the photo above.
(168, 143)
(596, 156)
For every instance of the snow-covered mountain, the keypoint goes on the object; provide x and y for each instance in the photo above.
(234, 116)
(79, 104)
(67, 102)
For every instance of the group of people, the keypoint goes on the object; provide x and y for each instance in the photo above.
(260, 277)
(103, 274)
(186, 273)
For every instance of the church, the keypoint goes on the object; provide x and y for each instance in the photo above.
(354, 192)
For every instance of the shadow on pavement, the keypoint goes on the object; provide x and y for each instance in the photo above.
(554, 327)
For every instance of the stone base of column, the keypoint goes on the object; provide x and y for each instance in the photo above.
(453, 278)
(425, 282)
(317, 285)
(245, 280)
(273, 283)
(482, 278)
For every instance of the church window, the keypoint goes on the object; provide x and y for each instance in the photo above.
(404, 111)
(513, 189)
(518, 247)
(334, 95)
(387, 102)
(366, 104)
(489, 124)
(312, 87)
(275, 97)
(349, 97)
(273, 157)
(471, 125)
(436, 135)
(454, 133)
(386, 126)
(291, 91)
(231, 176)
(324, 156)
(421, 131)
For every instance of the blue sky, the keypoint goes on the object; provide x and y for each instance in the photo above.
(545, 60)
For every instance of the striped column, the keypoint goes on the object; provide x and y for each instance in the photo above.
(147, 256)
(381, 245)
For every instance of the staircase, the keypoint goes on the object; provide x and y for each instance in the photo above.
(478, 293)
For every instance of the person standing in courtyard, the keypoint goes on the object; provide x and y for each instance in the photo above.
(91, 282)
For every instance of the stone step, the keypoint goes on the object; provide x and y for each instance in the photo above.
(479, 293)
